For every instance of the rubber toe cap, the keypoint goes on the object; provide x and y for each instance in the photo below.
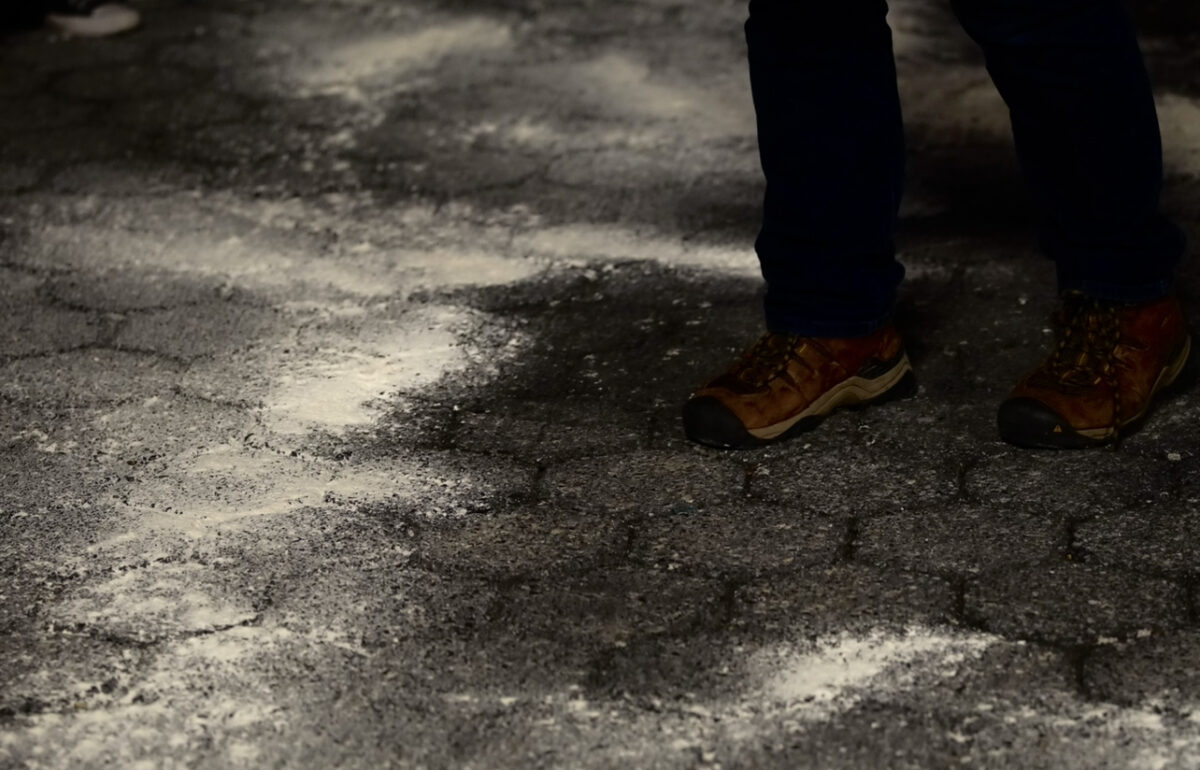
(1027, 422)
(708, 421)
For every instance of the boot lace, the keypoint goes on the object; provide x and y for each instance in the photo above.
(1085, 353)
(770, 356)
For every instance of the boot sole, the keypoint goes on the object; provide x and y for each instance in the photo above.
(1026, 422)
(708, 421)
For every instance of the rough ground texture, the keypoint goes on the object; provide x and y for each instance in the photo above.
(342, 350)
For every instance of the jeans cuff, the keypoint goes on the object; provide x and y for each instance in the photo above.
(1118, 292)
(805, 326)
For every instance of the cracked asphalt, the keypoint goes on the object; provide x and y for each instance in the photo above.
(342, 351)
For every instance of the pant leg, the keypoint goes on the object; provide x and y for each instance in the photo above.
(1087, 137)
(832, 146)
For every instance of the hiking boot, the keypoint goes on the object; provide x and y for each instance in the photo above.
(91, 18)
(786, 384)
(1110, 361)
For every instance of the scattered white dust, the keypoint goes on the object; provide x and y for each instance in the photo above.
(339, 388)
(336, 355)
(448, 268)
(197, 690)
(230, 647)
(268, 254)
(789, 688)
(367, 273)
(347, 70)
(231, 484)
(623, 85)
(1179, 117)
(832, 677)
(795, 688)
(156, 600)
(580, 244)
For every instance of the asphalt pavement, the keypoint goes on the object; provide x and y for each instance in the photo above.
(341, 357)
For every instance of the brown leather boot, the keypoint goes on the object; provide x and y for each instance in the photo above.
(786, 384)
(1110, 362)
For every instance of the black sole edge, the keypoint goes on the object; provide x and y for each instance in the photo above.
(1030, 424)
(1026, 436)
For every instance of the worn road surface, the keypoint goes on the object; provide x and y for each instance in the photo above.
(341, 356)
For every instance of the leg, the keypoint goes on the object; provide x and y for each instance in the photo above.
(1087, 137)
(831, 142)
(832, 147)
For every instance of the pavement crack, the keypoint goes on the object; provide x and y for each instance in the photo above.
(849, 543)
(727, 603)
(650, 432)
(54, 300)
(497, 608)
(962, 475)
(41, 354)
(122, 640)
(189, 395)
(1190, 584)
(600, 669)
(1071, 551)
(264, 602)
(748, 477)
(146, 643)
(40, 271)
(250, 622)
(962, 610)
(632, 532)
(1076, 657)
(178, 361)
(537, 484)
(448, 434)
(111, 325)
(29, 706)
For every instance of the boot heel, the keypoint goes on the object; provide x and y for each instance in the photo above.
(906, 388)
(1189, 373)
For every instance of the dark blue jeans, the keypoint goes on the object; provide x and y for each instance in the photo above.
(832, 146)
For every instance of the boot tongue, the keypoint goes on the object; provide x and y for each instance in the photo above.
(764, 360)
(1086, 344)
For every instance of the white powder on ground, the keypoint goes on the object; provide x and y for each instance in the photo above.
(336, 353)
(336, 388)
(349, 352)
(448, 268)
(364, 71)
(833, 677)
(197, 689)
(793, 688)
(158, 599)
(624, 85)
(337, 394)
(199, 498)
(582, 244)
(267, 255)
(350, 68)
(226, 648)
(790, 687)
(373, 273)
(1179, 117)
